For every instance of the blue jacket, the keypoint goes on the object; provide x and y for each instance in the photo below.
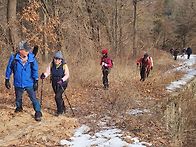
(24, 75)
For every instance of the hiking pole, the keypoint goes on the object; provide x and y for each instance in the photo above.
(68, 100)
(41, 92)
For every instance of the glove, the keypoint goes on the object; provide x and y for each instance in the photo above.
(7, 84)
(42, 76)
(151, 68)
(60, 82)
(104, 64)
(35, 85)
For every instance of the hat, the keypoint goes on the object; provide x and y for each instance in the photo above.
(58, 54)
(104, 51)
(23, 45)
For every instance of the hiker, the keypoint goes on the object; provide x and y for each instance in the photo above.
(106, 64)
(24, 67)
(188, 52)
(176, 52)
(59, 72)
(183, 52)
(171, 51)
(146, 64)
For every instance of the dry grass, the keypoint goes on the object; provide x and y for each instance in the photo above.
(92, 103)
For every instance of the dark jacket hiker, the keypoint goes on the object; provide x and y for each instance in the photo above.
(188, 52)
(59, 72)
(106, 64)
(176, 52)
(24, 67)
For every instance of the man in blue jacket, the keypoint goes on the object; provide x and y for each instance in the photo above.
(24, 67)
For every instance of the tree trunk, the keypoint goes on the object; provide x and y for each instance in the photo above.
(11, 20)
(116, 27)
(45, 55)
(134, 27)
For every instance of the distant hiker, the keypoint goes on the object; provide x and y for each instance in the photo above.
(176, 52)
(171, 51)
(188, 52)
(106, 64)
(146, 64)
(59, 72)
(183, 52)
(24, 67)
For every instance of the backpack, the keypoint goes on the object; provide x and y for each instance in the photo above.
(13, 64)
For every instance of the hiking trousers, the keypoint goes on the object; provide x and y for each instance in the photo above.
(188, 56)
(58, 90)
(32, 95)
(105, 73)
(143, 73)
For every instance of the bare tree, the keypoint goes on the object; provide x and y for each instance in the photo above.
(11, 20)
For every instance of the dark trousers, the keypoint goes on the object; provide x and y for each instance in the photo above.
(143, 73)
(188, 56)
(105, 73)
(32, 95)
(58, 90)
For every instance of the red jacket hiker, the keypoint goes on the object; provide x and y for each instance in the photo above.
(106, 64)
(146, 64)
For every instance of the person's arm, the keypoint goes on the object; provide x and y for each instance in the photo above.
(152, 64)
(139, 61)
(66, 71)
(9, 71)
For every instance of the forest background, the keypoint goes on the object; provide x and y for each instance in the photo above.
(80, 29)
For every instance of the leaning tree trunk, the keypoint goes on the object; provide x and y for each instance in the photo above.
(11, 20)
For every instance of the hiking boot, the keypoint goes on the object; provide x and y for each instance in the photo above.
(60, 113)
(18, 109)
(106, 87)
(38, 116)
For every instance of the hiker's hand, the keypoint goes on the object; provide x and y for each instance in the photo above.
(35, 85)
(60, 82)
(7, 84)
(104, 64)
(42, 76)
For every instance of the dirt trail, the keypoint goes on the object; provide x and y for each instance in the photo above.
(90, 103)
(22, 129)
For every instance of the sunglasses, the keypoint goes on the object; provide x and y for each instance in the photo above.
(57, 58)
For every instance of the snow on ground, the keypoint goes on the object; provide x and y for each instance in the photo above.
(138, 111)
(186, 65)
(113, 137)
(110, 137)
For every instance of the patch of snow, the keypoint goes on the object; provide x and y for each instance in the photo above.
(106, 138)
(138, 111)
(186, 66)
